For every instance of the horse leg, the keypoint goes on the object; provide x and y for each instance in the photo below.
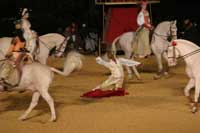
(196, 95)
(166, 72)
(129, 71)
(136, 72)
(160, 66)
(34, 102)
(50, 102)
(187, 89)
(129, 55)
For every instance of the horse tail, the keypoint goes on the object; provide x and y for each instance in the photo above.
(57, 71)
(73, 62)
(113, 46)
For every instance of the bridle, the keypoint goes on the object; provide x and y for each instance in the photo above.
(174, 49)
(174, 57)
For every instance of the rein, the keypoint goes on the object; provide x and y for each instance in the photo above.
(184, 56)
(190, 54)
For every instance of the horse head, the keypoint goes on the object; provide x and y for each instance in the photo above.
(173, 30)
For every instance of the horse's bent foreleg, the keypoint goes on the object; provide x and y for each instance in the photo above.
(34, 102)
(167, 67)
(159, 61)
(160, 66)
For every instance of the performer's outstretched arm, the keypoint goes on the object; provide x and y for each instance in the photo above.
(100, 61)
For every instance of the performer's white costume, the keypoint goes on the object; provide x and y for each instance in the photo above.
(117, 73)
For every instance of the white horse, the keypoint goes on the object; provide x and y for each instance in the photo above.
(190, 52)
(37, 77)
(46, 43)
(159, 43)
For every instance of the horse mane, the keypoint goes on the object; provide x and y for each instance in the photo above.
(160, 24)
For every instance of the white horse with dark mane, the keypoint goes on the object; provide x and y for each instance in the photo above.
(190, 52)
(159, 44)
(46, 43)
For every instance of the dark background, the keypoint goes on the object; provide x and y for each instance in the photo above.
(48, 15)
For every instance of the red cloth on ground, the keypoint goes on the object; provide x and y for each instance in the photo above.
(105, 93)
(121, 20)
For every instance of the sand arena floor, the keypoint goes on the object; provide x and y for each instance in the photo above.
(153, 106)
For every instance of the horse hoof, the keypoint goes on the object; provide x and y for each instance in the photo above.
(139, 79)
(194, 110)
(166, 74)
(22, 118)
(156, 77)
(130, 76)
(53, 119)
(192, 104)
(1, 89)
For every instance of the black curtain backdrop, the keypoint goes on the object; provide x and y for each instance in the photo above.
(48, 15)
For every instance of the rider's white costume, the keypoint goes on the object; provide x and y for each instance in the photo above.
(29, 35)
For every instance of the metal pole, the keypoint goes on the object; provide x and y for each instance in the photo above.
(103, 26)
(151, 13)
(103, 9)
(99, 47)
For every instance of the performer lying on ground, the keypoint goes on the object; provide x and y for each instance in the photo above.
(117, 74)
(116, 78)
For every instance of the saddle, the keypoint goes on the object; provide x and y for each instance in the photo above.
(11, 72)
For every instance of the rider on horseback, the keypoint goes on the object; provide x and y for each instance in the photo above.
(17, 48)
(142, 47)
(29, 35)
(10, 71)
